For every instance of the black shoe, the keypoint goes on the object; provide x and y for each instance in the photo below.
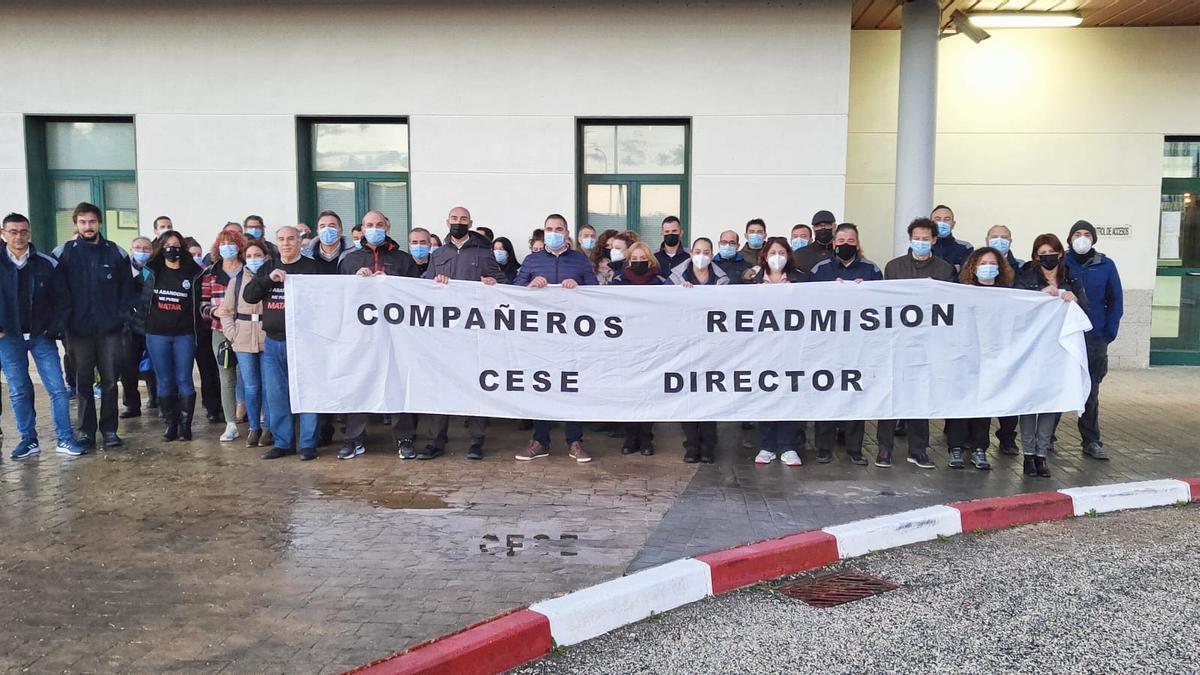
(307, 454)
(956, 458)
(406, 449)
(824, 456)
(708, 456)
(350, 450)
(1030, 467)
(648, 450)
(474, 452)
(187, 410)
(883, 458)
(1039, 463)
(430, 452)
(691, 456)
(1009, 449)
(86, 442)
(277, 452)
(129, 412)
(216, 417)
(1095, 451)
(922, 461)
(112, 440)
(857, 458)
(626, 450)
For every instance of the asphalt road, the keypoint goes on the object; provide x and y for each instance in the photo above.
(1111, 593)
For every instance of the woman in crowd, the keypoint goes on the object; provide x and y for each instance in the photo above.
(435, 242)
(171, 331)
(641, 270)
(601, 257)
(506, 257)
(206, 360)
(1045, 272)
(227, 256)
(986, 267)
(776, 266)
(242, 323)
(537, 241)
(700, 438)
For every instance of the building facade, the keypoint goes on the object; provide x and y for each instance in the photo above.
(617, 114)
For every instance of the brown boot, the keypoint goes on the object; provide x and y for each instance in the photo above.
(578, 453)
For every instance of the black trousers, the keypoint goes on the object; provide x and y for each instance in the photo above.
(210, 378)
(826, 432)
(131, 398)
(404, 425)
(91, 353)
(1006, 433)
(917, 433)
(969, 434)
(439, 429)
(639, 435)
(700, 438)
(1089, 421)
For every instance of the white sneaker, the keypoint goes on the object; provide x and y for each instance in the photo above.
(790, 458)
(764, 457)
(231, 432)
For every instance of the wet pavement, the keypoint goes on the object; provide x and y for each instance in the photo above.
(197, 557)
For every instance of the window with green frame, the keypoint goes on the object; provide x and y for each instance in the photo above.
(81, 159)
(632, 174)
(352, 166)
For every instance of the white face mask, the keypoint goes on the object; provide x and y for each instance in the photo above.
(700, 260)
(776, 262)
(1081, 245)
(616, 255)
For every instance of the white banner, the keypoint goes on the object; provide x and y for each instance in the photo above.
(813, 351)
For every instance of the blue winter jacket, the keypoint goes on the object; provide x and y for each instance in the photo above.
(1097, 273)
(100, 288)
(953, 251)
(46, 300)
(570, 264)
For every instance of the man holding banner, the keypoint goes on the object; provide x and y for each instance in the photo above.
(557, 264)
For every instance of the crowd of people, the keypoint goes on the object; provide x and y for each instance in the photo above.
(169, 307)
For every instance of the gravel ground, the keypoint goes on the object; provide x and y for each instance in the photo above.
(1111, 593)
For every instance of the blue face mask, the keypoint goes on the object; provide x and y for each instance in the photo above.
(199, 260)
(555, 239)
(987, 272)
(358, 243)
(587, 243)
(727, 252)
(228, 251)
(254, 232)
(501, 256)
(755, 240)
(329, 235)
(140, 257)
(799, 243)
(921, 248)
(433, 249)
(1000, 244)
(255, 264)
(943, 229)
(374, 235)
(419, 251)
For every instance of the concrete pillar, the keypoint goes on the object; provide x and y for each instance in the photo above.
(916, 124)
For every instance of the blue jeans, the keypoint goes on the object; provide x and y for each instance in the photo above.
(250, 375)
(275, 383)
(573, 431)
(14, 358)
(172, 356)
(777, 437)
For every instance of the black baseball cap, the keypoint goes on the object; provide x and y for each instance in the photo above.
(823, 217)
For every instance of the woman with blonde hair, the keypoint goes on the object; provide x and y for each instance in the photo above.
(641, 269)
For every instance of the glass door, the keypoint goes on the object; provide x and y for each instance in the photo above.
(1175, 322)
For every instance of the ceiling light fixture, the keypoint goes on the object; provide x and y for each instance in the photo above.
(1026, 19)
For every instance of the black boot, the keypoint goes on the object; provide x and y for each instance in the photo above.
(188, 411)
(1039, 463)
(168, 407)
(1030, 467)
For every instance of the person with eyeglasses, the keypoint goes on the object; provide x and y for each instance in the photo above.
(730, 259)
(33, 313)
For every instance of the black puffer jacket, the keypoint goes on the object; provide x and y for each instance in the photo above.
(470, 262)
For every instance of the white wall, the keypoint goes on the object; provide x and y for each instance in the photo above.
(492, 94)
(1037, 129)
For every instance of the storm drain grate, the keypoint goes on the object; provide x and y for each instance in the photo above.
(837, 588)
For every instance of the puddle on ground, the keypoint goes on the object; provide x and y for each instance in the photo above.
(380, 496)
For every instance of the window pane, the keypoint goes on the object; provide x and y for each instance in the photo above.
(338, 197)
(599, 149)
(67, 194)
(89, 145)
(650, 149)
(608, 207)
(657, 202)
(360, 147)
(391, 198)
(1181, 159)
(120, 194)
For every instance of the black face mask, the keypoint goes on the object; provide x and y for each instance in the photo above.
(671, 239)
(459, 230)
(639, 267)
(824, 236)
(846, 252)
(1049, 261)
(172, 253)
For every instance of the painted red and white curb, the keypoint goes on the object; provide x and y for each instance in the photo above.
(522, 635)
